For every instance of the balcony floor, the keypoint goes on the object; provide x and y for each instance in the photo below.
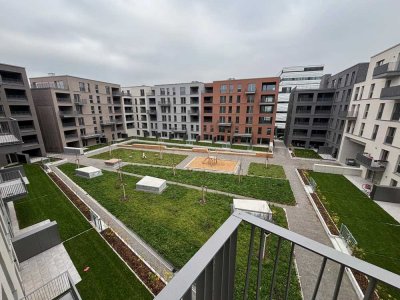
(42, 268)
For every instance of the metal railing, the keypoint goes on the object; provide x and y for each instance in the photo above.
(16, 97)
(387, 69)
(9, 132)
(369, 162)
(58, 286)
(12, 185)
(390, 93)
(6, 80)
(210, 273)
(352, 114)
(66, 114)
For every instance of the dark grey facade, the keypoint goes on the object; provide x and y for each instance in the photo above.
(316, 117)
(20, 136)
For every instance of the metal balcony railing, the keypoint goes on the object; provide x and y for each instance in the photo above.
(60, 286)
(387, 70)
(370, 163)
(91, 135)
(80, 101)
(390, 93)
(9, 133)
(68, 114)
(13, 81)
(165, 103)
(210, 273)
(352, 114)
(12, 185)
(250, 91)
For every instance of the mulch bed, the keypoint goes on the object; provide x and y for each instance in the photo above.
(152, 281)
(71, 195)
(325, 215)
(303, 176)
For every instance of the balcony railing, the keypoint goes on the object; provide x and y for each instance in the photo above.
(68, 114)
(91, 135)
(58, 288)
(210, 273)
(252, 91)
(21, 113)
(116, 94)
(387, 70)
(166, 103)
(14, 97)
(370, 163)
(193, 112)
(107, 123)
(11, 81)
(12, 185)
(225, 124)
(391, 93)
(80, 101)
(152, 111)
(352, 114)
(9, 133)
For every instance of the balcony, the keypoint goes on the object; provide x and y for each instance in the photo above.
(390, 93)
(11, 78)
(368, 162)
(301, 123)
(352, 115)
(242, 134)
(17, 97)
(116, 93)
(164, 103)
(91, 136)
(80, 101)
(152, 112)
(69, 124)
(10, 134)
(225, 124)
(387, 70)
(107, 123)
(250, 92)
(193, 112)
(61, 287)
(71, 137)
(210, 273)
(179, 130)
(13, 184)
(342, 114)
(68, 114)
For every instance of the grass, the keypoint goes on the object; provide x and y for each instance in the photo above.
(176, 225)
(135, 156)
(377, 233)
(274, 171)
(109, 277)
(306, 153)
(271, 189)
(94, 147)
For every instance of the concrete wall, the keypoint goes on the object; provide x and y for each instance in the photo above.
(36, 241)
(337, 170)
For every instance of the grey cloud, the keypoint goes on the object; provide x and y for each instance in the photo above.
(150, 42)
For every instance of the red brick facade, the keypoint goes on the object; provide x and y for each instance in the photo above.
(240, 110)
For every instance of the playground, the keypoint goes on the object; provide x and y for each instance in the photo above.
(213, 163)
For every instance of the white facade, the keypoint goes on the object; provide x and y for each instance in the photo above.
(373, 127)
(300, 77)
(169, 111)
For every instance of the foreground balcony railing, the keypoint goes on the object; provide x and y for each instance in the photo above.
(210, 273)
(12, 184)
(387, 70)
(370, 163)
(60, 287)
(9, 132)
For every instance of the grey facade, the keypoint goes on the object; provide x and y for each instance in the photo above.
(77, 112)
(317, 117)
(20, 136)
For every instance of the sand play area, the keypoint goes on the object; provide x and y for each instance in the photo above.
(213, 163)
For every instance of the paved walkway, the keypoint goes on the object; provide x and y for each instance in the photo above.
(301, 218)
(161, 266)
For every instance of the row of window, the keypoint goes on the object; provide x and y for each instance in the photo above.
(247, 130)
(249, 120)
(346, 81)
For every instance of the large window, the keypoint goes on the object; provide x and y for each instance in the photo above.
(222, 88)
(362, 129)
(380, 111)
(222, 99)
(266, 109)
(375, 132)
(371, 90)
(390, 135)
(396, 112)
(82, 86)
(397, 170)
(366, 111)
(251, 87)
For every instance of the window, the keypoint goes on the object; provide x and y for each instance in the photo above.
(162, 91)
(107, 90)
(384, 155)
(231, 88)
(380, 111)
(286, 90)
(356, 93)
(239, 88)
(396, 112)
(267, 109)
(249, 110)
(346, 80)
(388, 83)
(371, 90)
(94, 120)
(182, 90)
(361, 129)
(238, 99)
(183, 110)
(379, 63)
(265, 120)
(375, 132)
(230, 109)
(82, 86)
(353, 75)
(237, 119)
(249, 120)
(393, 182)
(397, 170)
(222, 99)
(98, 99)
(366, 111)
(230, 99)
(96, 87)
(88, 87)
(267, 99)
(391, 131)
(248, 130)
(250, 98)
(361, 92)
(238, 109)
(183, 100)
(222, 88)
(222, 109)
(251, 87)
(90, 98)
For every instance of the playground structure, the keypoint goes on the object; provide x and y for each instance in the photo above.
(212, 163)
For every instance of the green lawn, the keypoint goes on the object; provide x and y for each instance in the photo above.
(177, 225)
(377, 233)
(274, 171)
(135, 156)
(306, 153)
(94, 147)
(109, 277)
(271, 189)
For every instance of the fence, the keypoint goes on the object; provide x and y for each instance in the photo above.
(346, 235)
(313, 184)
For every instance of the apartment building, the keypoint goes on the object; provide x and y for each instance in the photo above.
(20, 136)
(240, 110)
(372, 133)
(316, 117)
(169, 111)
(77, 112)
(136, 109)
(299, 77)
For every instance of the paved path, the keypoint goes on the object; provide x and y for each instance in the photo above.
(301, 218)
(156, 261)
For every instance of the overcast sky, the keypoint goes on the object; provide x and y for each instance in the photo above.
(166, 41)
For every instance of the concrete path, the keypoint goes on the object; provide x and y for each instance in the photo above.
(301, 218)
